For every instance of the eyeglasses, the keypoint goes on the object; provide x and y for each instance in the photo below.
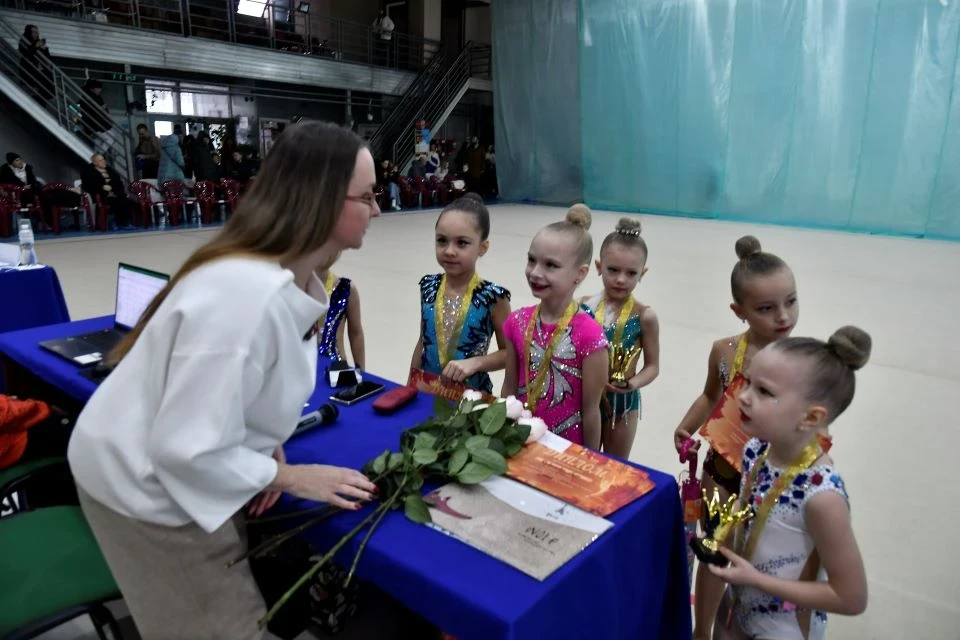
(368, 199)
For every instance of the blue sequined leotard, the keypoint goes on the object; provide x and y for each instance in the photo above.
(336, 313)
(477, 329)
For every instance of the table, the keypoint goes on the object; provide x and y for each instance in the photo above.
(630, 583)
(30, 298)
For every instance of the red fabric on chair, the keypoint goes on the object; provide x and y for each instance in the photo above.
(11, 203)
(443, 193)
(48, 194)
(408, 193)
(230, 189)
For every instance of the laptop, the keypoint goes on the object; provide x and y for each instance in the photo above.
(136, 287)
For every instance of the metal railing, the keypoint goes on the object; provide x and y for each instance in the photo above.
(75, 110)
(278, 27)
(406, 109)
(430, 109)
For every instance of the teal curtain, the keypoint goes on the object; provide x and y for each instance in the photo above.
(536, 100)
(827, 113)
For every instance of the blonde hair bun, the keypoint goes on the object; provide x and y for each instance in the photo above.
(579, 215)
(851, 345)
(747, 246)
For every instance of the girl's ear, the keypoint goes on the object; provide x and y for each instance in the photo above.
(738, 310)
(582, 272)
(484, 246)
(599, 270)
(815, 417)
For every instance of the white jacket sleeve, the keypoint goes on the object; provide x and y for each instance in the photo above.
(197, 441)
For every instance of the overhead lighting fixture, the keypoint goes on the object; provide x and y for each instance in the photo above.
(303, 7)
(253, 8)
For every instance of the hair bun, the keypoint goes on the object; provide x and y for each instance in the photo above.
(851, 345)
(628, 227)
(747, 246)
(579, 214)
(473, 196)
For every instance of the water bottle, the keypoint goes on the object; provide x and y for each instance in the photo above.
(28, 255)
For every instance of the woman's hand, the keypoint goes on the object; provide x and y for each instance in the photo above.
(266, 499)
(739, 571)
(460, 370)
(333, 485)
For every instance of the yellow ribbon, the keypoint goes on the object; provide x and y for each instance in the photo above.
(535, 387)
(328, 284)
(771, 498)
(739, 357)
(622, 318)
(447, 349)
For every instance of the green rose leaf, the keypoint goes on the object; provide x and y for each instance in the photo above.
(521, 433)
(514, 448)
(380, 462)
(442, 409)
(457, 460)
(459, 421)
(395, 461)
(492, 459)
(496, 444)
(493, 418)
(424, 440)
(416, 509)
(425, 456)
(466, 406)
(474, 473)
(476, 443)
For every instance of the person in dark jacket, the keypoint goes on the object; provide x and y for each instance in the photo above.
(97, 123)
(36, 70)
(99, 179)
(17, 172)
(203, 165)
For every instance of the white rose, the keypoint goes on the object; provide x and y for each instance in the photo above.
(537, 428)
(526, 413)
(479, 407)
(472, 396)
(514, 408)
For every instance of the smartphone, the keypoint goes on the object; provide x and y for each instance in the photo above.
(356, 393)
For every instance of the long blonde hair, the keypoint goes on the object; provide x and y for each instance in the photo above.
(291, 209)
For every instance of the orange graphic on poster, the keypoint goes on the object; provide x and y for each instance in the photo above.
(580, 476)
(436, 386)
(723, 428)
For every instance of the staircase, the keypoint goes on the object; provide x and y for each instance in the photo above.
(436, 104)
(57, 103)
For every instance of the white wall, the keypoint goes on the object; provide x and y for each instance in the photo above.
(51, 160)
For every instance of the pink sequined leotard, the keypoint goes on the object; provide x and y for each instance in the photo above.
(563, 390)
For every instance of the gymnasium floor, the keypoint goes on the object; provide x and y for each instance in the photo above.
(895, 446)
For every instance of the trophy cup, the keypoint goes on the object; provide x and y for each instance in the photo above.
(621, 358)
(722, 519)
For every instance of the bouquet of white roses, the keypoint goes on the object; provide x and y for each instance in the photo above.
(467, 443)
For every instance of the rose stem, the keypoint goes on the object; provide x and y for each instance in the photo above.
(373, 527)
(274, 542)
(316, 567)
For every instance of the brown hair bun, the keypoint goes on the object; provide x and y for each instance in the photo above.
(747, 246)
(628, 226)
(851, 345)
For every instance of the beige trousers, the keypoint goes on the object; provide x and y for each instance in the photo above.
(174, 579)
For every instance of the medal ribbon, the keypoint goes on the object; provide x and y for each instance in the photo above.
(447, 349)
(535, 387)
(807, 457)
(622, 318)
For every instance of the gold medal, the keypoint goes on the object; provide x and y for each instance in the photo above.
(447, 349)
(535, 387)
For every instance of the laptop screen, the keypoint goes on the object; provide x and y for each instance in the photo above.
(136, 287)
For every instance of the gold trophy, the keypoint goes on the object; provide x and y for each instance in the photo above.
(621, 359)
(722, 519)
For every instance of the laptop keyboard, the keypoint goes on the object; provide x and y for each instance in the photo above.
(104, 341)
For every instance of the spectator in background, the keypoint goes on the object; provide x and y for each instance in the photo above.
(419, 168)
(383, 26)
(477, 165)
(239, 169)
(188, 150)
(433, 159)
(36, 71)
(100, 180)
(96, 118)
(387, 178)
(203, 165)
(148, 153)
(18, 172)
(443, 170)
(171, 159)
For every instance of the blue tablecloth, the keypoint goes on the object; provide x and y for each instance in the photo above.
(631, 583)
(30, 298)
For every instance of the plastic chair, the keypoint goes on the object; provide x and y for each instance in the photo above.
(175, 199)
(230, 189)
(53, 571)
(409, 196)
(205, 192)
(49, 191)
(427, 192)
(16, 480)
(143, 192)
(11, 204)
(441, 191)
